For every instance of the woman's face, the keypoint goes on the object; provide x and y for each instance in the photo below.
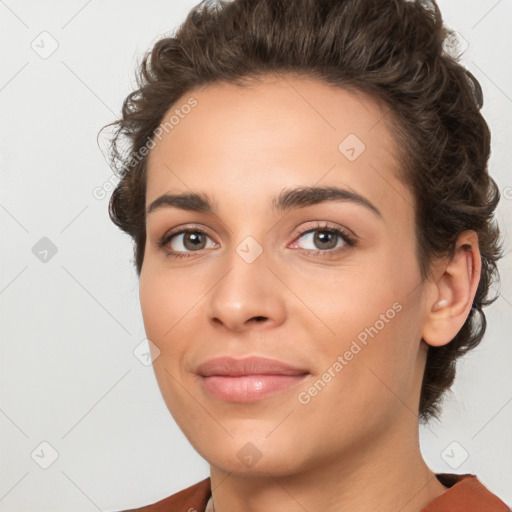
(327, 283)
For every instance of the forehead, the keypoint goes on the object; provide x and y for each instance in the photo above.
(274, 133)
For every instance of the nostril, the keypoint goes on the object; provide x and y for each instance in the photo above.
(259, 318)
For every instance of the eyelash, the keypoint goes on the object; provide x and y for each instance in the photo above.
(348, 239)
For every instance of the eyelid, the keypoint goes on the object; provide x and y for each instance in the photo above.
(326, 225)
(183, 228)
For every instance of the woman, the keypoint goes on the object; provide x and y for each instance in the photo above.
(308, 194)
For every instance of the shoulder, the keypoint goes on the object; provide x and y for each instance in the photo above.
(465, 493)
(191, 499)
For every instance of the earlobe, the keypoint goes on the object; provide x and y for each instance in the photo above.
(454, 291)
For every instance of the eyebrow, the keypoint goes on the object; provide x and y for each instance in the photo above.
(287, 200)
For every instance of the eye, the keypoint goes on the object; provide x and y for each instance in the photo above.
(324, 239)
(185, 241)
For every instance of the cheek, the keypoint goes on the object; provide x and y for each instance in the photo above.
(163, 304)
(153, 302)
(356, 305)
(171, 309)
(164, 307)
(365, 377)
(372, 320)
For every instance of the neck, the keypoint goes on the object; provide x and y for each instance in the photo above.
(388, 474)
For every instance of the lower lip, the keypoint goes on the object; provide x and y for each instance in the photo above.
(248, 388)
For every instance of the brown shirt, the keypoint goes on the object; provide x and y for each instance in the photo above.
(465, 493)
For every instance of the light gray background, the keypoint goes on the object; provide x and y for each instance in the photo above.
(69, 325)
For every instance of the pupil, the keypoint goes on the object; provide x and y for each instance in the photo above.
(194, 239)
(324, 237)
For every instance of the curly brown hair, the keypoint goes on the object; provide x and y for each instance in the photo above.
(396, 51)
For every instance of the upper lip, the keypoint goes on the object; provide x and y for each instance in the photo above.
(247, 366)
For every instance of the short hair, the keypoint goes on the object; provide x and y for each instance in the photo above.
(397, 52)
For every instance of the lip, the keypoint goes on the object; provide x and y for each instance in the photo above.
(229, 366)
(247, 379)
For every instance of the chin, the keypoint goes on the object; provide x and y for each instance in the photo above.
(260, 465)
(252, 454)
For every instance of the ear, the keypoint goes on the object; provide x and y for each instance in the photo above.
(453, 291)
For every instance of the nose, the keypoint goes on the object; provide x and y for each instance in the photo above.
(248, 296)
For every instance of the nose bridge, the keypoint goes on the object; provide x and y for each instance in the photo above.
(246, 291)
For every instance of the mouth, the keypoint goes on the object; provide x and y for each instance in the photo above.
(248, 379)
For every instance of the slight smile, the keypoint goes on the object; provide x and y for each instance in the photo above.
(248, 379)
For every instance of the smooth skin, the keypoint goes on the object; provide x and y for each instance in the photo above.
(355, 445)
